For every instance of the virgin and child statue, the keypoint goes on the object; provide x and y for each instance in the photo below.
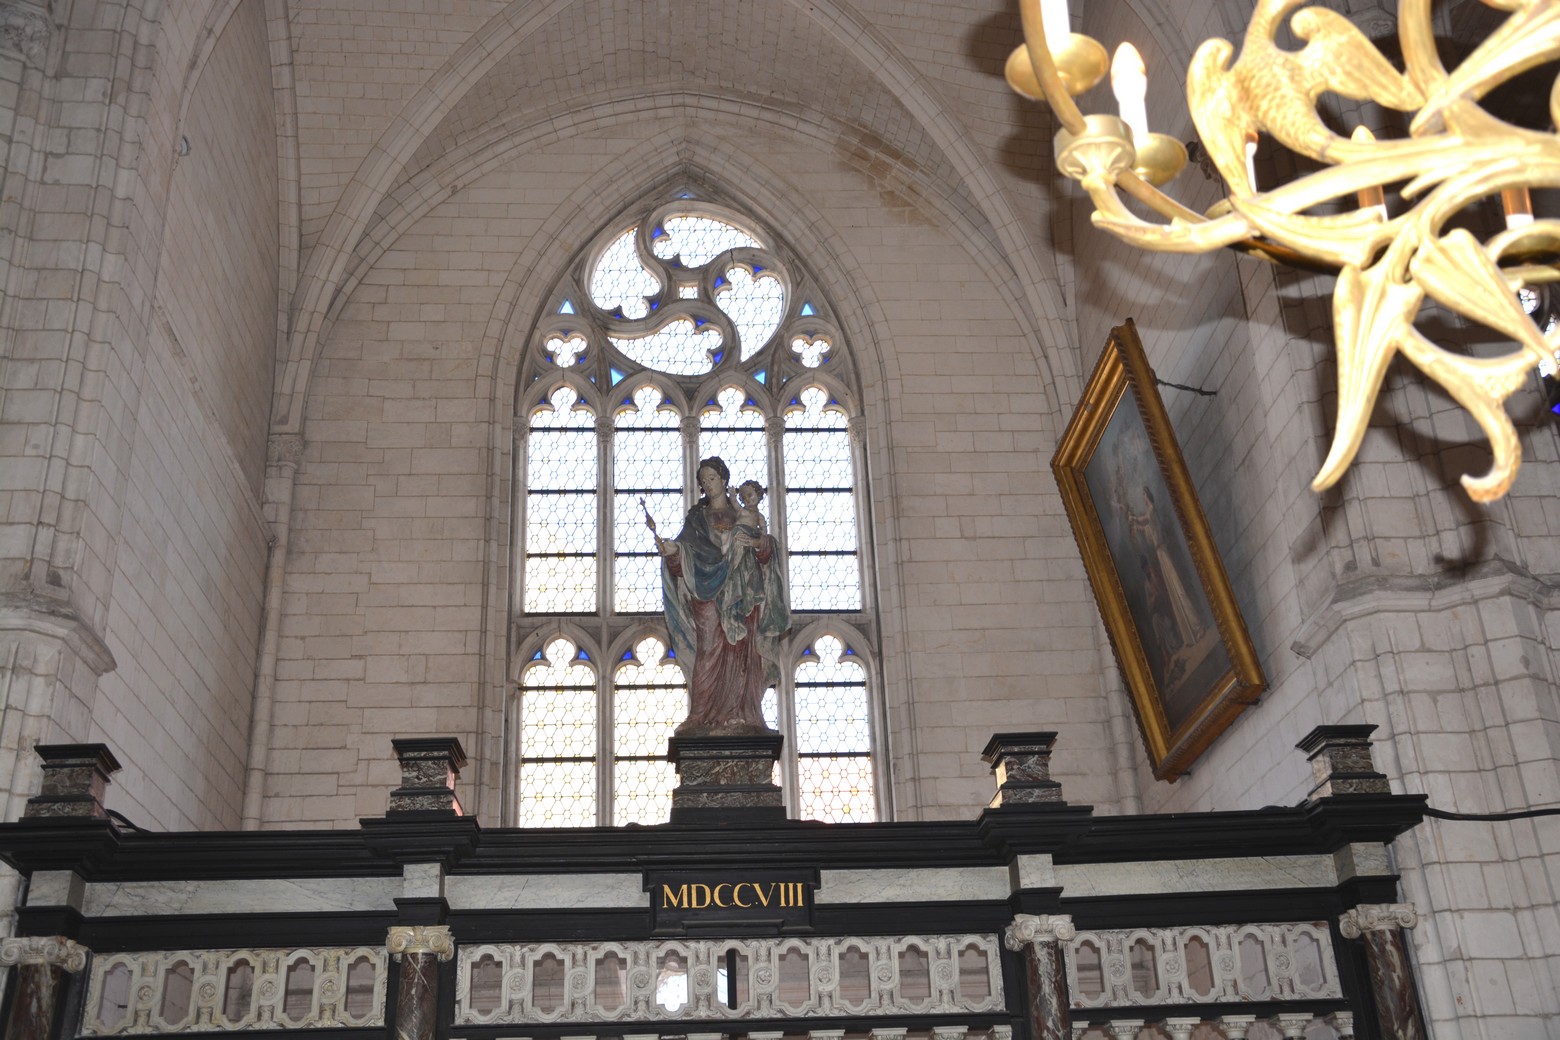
(726, 605)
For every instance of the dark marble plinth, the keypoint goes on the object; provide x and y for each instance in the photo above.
(1021, 763)
(429, 768)
(75, 776)
(723, 779)
(1341, 762)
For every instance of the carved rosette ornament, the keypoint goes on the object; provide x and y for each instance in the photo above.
(433, 939)
(1380, 926)
(52, 950)
(1039, 938)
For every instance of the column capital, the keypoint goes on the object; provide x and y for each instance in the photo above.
(284, 449)
(52, 950)
(1032, 929)
(420, 938)
(1377, 917)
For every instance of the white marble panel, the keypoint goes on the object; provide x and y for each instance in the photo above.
(1200, 875)
(272, 895)
(936, 885)
(55, 888)
(545, 891)
(1363, 860)
(1034, 872)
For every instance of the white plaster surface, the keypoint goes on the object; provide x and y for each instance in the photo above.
(933, 886)
(1211, 875)
(545, 891)
(276, 895)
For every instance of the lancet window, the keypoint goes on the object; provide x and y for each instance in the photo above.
(686, 330)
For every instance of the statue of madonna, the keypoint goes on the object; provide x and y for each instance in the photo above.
(726, 605)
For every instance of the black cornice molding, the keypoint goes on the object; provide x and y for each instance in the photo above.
(101, 851)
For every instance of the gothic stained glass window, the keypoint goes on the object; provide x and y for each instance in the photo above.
(684, 331)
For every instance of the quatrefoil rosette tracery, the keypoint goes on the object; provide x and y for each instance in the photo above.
(687, 289)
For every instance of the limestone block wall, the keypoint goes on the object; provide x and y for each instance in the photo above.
(384, 631)
(133, 374)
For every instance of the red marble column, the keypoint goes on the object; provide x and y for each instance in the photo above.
(1380, 926)
(41, 963)
(1040, 939)
(418, 949)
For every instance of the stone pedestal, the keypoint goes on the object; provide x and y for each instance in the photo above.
(1341, 762)
(75, 776)
(1021, 763)
(429, 768)
(726, 779)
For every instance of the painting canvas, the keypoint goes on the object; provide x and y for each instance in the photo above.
(1172, 619)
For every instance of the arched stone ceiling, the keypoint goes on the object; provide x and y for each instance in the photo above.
(768, 54)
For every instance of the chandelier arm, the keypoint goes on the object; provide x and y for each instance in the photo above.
(1157, 200)
(1416, 36)
(1528, 38)
(1050, 79)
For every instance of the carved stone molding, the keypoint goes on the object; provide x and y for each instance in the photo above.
(1377, 917)
(29, 616)
(284, 449)
(54, 950)
(1034, 928)
(774, 427)
(25, 30)
(856, 426)
(420, 938)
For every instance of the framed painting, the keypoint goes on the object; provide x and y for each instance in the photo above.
(1177, 632)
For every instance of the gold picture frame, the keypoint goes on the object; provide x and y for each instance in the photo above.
(1173, 622)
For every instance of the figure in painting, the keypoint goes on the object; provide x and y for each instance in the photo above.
(726, 606)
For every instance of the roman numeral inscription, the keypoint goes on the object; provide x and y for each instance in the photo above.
(764, 901)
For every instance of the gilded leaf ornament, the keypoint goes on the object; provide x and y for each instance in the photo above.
(1456, 156)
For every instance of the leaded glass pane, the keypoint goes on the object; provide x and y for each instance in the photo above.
(821, 521)
(755, 305)
(836, 789)
(558, 739)
(560, 523)
(831, 700)
(636, 581)
(825, 582)
(680, 347)
(642, 792)
(566, 351)
(558, 794)
(560, 584)
(698, 240)
(733, 428)
(620, 280)
(649, 699)
(628, 518)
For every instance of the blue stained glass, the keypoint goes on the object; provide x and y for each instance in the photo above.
(617, 377)
(628, 655)
(537, 656)
(659, 232)
(757, 270)
(567, 308)
(699, 323)
(718, 355)
(807, 309)
(686, 195)
(654, 304)
(617, 312)
(761, 376)
(720, 280)
(584, 656)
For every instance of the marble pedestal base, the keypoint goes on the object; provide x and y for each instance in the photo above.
(726, 779)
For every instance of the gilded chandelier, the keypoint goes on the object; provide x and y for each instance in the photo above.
(1455, 155)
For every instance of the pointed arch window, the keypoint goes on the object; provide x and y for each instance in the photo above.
(686, 330)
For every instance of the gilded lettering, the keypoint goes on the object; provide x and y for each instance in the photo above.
(736, 894)
(698, 896)
(675, 900)
(764, 897)
(718, 900)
